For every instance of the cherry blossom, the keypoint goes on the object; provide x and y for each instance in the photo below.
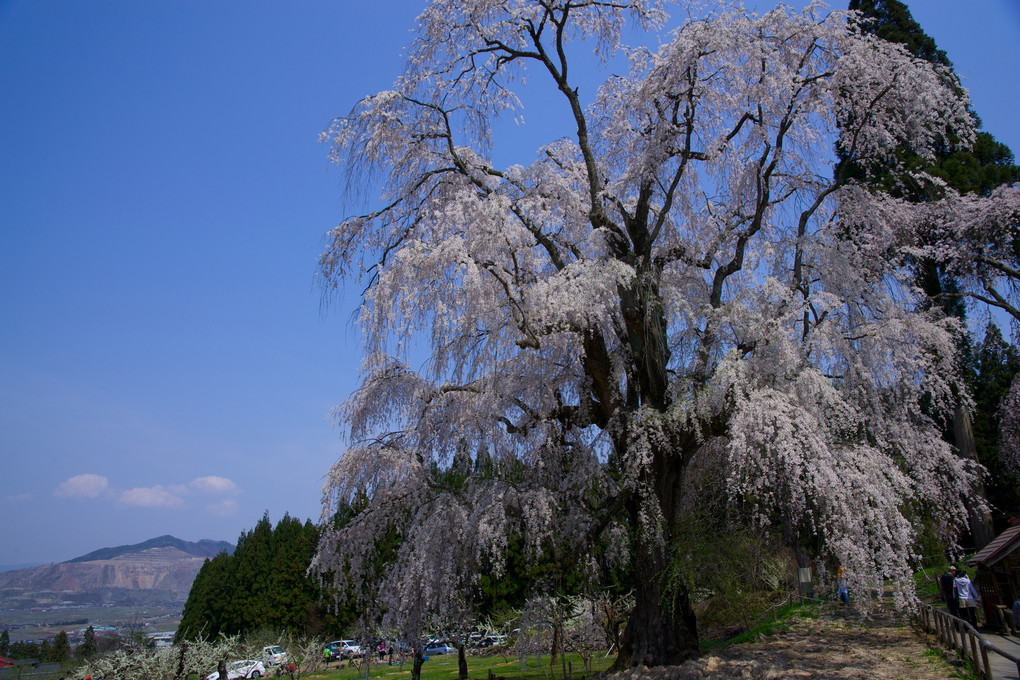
(684, 269)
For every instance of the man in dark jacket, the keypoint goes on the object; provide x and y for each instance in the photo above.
(948, 590)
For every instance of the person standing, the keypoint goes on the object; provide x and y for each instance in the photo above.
(947, 586)
(967, 596)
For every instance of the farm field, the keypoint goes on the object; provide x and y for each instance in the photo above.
(40, 623)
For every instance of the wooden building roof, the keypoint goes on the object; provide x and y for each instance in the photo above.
(1002, 546)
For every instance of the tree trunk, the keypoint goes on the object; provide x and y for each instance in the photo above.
(555, 643)
(656, 635)
(661, 629)
(980, 522)
(962, 435)
(462, 669)
(793, 541)
(180, 661)
(419, 660)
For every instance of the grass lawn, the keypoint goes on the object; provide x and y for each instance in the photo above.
(444, 667)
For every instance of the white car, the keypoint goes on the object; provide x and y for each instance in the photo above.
(350, 649)
(246, 668)
(273, 655)
(344, 649)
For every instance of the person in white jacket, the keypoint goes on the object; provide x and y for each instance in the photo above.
(968, 597)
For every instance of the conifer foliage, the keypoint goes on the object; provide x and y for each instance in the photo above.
(684, 270)
(968, 241)
(263, 584)
(977, 170)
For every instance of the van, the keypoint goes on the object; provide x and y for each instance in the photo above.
(273, 655)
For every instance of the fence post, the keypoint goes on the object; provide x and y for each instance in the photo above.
(984, 662)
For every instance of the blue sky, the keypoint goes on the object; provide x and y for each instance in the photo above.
(166, 363)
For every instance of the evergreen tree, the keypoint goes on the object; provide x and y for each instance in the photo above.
(61, 651)
(264, 584)
(290, 589)
(24, 650)
(984, 166)
(196, 615)
(87, 649)
(5, 643)
(995, 366)
(206, 611)
(892, 21)
(252, 563)
(978, 169)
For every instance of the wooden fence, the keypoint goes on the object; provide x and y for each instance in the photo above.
(957, 634)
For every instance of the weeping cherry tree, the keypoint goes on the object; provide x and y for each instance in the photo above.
(681, 271)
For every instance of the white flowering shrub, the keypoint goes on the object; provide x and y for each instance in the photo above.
(163, 663)
(685, 267)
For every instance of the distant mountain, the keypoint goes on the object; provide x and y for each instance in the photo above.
(12, 567)
(160, 570)
(204, 548)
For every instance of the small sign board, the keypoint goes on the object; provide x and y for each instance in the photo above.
(807, 587)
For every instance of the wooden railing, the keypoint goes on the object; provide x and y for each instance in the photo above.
(957, 634)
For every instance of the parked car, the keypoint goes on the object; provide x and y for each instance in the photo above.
(246, 668)
(343, 649)
(349, 649)
(273, 655)
(439, 648)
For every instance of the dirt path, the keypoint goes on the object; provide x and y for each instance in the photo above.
(834, 648)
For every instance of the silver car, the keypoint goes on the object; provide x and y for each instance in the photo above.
(246, 668)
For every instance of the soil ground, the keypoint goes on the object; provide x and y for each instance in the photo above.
(841, 646)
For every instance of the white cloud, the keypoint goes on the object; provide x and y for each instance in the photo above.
(223, 509)
(151, 497)
(19, 498)
(221, 489)
(82, 486)
(213, 484)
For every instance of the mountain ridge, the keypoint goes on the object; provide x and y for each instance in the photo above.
(202, 548)
(161, 569)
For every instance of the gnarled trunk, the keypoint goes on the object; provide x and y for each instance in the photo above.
(980, 521)
(656, 634)
(962, 434)
(555, 642)
(419, 660)
(661, 629)
(462, 668)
